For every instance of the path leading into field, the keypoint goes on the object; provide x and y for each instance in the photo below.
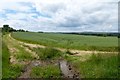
(13, 44)
(66, 69)
(17, 47)
(17, 50)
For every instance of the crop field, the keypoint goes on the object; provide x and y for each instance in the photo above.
(59, 40)
(36, 55)
(69, 41)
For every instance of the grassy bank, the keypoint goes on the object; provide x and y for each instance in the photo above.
(8, 70)
(96, 66)
(16, 49)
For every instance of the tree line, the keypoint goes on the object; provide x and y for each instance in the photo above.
(103, 34)
(6, 29)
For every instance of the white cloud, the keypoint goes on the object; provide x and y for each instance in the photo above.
(60, 15)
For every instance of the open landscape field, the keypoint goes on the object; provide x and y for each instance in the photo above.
(69, 41)
(59, 40)
(48, 55)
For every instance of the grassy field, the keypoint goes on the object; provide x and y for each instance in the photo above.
(102, 65)
(69, 41)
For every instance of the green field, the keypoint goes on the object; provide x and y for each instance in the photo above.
(101, 65)
(69, 41)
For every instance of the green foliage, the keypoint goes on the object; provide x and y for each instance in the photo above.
(7, 29)
(23, 56)
(5, 59)
(48, 53)
(48, 71)
(8, 70)
(96, 58)
(69, 41)
(21, 30)
(13, 71)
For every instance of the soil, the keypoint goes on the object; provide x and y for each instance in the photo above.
(67, 70)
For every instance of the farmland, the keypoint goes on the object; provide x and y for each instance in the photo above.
(69, 41)
(36, 55)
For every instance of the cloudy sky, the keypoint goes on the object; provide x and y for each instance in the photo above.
(60, 15)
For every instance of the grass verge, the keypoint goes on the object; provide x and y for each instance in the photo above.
(9, 70)
(97, 66)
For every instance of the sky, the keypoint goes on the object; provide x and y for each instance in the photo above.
(60, 15)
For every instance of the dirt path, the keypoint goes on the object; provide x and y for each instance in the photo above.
(27, 69)
(75, 52)
(67, 70)
(16, 50)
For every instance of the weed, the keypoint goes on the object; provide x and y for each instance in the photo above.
(48, 53)
(97, 66)
(49, 71)
(9, 70)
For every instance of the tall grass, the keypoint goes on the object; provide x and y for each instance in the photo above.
(48, 71)
(9, 70)
(48, 53)
(23, 55)
(97, 66)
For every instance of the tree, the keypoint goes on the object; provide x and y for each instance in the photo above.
(7, 29)
(21, 30)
